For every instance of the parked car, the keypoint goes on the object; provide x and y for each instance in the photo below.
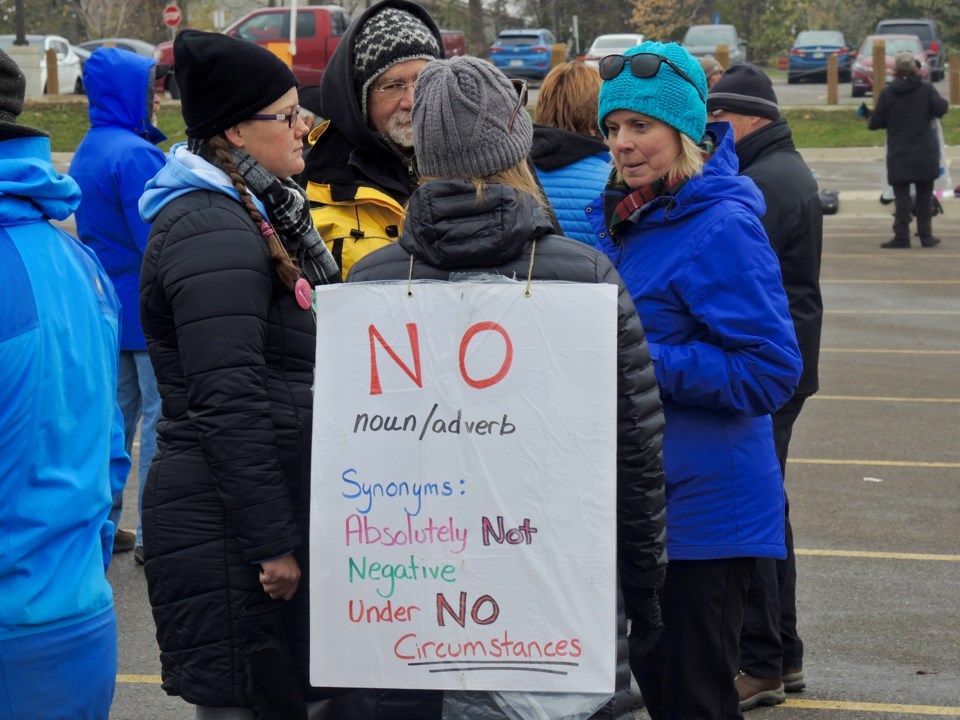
(615, 44)
(929, 34)
(523, 52)
(454, 43)
(69, 65)
(811, 50)
(862, 80)
(141, 47)
(701, 40)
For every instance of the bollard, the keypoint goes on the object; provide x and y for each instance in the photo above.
(833, 80)
(879, 68)
(723, 56)
(954, 64)
(558, 54)
(53, 77)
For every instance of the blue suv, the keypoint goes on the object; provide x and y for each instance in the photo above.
(520, 52)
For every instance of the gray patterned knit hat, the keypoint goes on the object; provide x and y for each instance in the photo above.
(461, 112)
(387, 38)
(13, 86)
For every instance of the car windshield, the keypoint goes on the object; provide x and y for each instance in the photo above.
(921, 30)
(518, 40)
(819, 37)
(892, 46)
(709, 35)
(616, 42)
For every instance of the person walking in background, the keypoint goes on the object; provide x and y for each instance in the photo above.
(62, 436)
(570, 156)
(683, 230)
(712, 69)
(361, 169)
(228, 320)
(771, 651)
(474, 156)
(905, 109)
(113, 162)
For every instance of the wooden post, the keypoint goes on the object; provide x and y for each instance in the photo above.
(53, 77)
(954, 64)
(833, 80)
(723, 56)
(558, 54)
(879, 68)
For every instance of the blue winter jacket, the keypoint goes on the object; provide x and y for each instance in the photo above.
(708, 290)
(62, 436)
(112, 164)
(573, 169)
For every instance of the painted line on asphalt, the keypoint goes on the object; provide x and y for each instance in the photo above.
(876, 463)
(899, 258)
(901, 351)
(139, 679)
(941, 711)
(879, 555)
(854, 281)
(880, 398)
(891, 312)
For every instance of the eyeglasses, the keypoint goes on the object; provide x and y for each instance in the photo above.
(394, 90)
(290, 118)
(520, 87)
(642, 65)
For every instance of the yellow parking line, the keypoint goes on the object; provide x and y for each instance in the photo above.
(891, 312)
(878, 554)
(141, 679)
(873, 707)
(881, 398)
(901, 351)
(898, 258)
(867, 281)
(878, 463)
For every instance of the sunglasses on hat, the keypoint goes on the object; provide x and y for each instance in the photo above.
(642, 65)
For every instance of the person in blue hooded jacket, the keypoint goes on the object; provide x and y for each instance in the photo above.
(61, 435)
(684, 232)
(113, 162)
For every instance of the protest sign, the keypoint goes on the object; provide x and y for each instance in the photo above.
(463, 509)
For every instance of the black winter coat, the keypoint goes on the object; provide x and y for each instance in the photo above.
(905, 108)
(229, 486)
(448, 232)
(794, 225)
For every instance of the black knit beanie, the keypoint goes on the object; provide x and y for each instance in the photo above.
(224, 80)
(13, 85)
(744, 89)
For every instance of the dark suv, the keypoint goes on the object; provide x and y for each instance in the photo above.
(929, 35)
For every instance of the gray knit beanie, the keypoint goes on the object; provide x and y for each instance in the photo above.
(391, 36)
(461, 110)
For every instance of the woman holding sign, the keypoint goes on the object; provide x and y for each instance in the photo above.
(228, 320)
(683, 230)
(479, 212)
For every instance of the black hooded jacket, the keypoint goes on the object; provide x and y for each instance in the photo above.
(794, 225)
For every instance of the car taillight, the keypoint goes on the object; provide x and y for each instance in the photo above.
(934, 46)
(539, 48)
(795, 51)
(495, 49)
(841, 51)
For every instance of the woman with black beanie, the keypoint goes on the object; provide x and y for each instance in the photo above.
(225, 300)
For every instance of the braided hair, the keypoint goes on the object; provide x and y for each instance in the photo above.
(216, 150)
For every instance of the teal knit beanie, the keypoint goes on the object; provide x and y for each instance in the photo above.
(666, 96)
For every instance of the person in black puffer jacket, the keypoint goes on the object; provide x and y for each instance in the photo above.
(228, 321)
(473, 159)
(905, 109)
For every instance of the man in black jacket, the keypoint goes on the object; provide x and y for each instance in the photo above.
(771, 651)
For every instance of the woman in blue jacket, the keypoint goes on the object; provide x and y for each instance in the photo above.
(684, 232)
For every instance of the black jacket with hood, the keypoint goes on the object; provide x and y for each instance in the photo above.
(448, 232)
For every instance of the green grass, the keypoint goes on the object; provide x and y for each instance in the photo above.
(67, 122)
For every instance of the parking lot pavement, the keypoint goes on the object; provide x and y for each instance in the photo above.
(874, 486)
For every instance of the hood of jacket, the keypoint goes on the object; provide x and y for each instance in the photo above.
(770, 138)
(719, 180)
(446, 227)
(120, 91)
(185, 173)
(30, 187)
(905, 85)
(555, 148)
(345, 146)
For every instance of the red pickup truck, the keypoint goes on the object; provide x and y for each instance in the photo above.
(319, 29)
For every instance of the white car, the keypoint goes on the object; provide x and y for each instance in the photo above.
(615, 44)
(69, 66)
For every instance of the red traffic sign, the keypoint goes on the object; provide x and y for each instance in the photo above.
(172, 15)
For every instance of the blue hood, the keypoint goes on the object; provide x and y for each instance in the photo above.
(185, 173)
(120, 87)
(30, 187)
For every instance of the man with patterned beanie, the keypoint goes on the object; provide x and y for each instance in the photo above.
(361, 169)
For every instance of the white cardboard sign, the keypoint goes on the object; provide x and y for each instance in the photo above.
(463, 511)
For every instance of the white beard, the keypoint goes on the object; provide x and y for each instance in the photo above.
(400, 128)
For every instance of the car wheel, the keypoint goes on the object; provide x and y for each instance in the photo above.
(792, 78)
(857, 92)
(78, 87)
(172, 86)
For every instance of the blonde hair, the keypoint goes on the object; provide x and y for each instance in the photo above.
(286, 268)
(519, 177)
(569, 97)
